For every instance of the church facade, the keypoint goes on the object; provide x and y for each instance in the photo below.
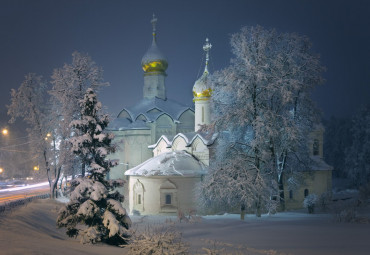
(163, 158)
(138, 126)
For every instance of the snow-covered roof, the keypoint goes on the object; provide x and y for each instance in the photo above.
(124, 124)
(166, 138)
(319, 164)
(174, 163)
(151, 109)
(207, 138)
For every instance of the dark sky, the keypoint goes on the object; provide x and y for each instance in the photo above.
(40, 35)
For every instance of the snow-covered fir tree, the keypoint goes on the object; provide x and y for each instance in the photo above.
(95, 212)
(262, 102)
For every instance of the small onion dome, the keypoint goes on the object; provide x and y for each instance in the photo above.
(154, 60)
(201, 89)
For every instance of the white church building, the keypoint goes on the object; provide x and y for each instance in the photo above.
(160, 127)
(161, 155)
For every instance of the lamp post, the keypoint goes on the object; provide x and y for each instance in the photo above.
(48, 136)
(5, 133)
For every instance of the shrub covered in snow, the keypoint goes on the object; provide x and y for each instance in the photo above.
(158, 240)
(309, 202)
(95, 212)
(324, 201)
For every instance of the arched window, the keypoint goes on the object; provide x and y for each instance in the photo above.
(168, 199)
(316, 147)
(186, 122)
(291, 194)
(305, 192)
(138, 196)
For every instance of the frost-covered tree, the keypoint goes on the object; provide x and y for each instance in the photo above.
(30, 103)
(358, 154)
(233, 179)
(262, 100)
(93, 202)
(69, 85)
(337, 139)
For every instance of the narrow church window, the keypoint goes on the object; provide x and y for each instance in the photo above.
(315, 147)
(139, 199)
(305, 192)
(291, 194)
(168, 199)
(202, 114)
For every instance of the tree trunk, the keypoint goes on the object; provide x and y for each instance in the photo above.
(258, 207)
(83, 169)
(242, 211)
(281, 193)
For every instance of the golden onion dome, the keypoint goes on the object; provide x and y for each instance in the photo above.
(154, 60)
(202, 89)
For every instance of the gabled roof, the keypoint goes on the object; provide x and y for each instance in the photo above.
(207, 138)
(166, 138)
(170, 107)
(319, 164)
(145, 105)
(126, 124)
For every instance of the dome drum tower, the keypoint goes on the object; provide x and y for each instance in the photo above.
(202, 93)
(154, 64)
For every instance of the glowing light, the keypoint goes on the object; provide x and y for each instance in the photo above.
(36, 168)
(47, 136)
(5, 131)
(26, 187)
(1, 170)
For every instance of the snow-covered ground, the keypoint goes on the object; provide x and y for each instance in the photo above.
(31, 230)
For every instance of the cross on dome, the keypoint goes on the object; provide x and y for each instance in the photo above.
(207, 47)
(154, 23)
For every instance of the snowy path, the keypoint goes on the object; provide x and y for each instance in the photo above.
(31, 230)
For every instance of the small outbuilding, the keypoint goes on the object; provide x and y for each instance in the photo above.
(165, 184)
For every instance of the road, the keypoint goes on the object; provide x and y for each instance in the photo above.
(13, 194)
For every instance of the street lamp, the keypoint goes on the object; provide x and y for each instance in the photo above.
(36, 168)
(5, 131)
(47, 136)
(1, 170)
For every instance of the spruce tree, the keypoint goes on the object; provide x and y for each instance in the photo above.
(95, 212)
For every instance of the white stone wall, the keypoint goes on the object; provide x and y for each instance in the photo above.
(183, 200)
(186, 122)
(154, 85)
(200, 151)
(161, 148)
(202, 113)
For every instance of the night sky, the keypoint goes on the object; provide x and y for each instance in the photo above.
(40, 35)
